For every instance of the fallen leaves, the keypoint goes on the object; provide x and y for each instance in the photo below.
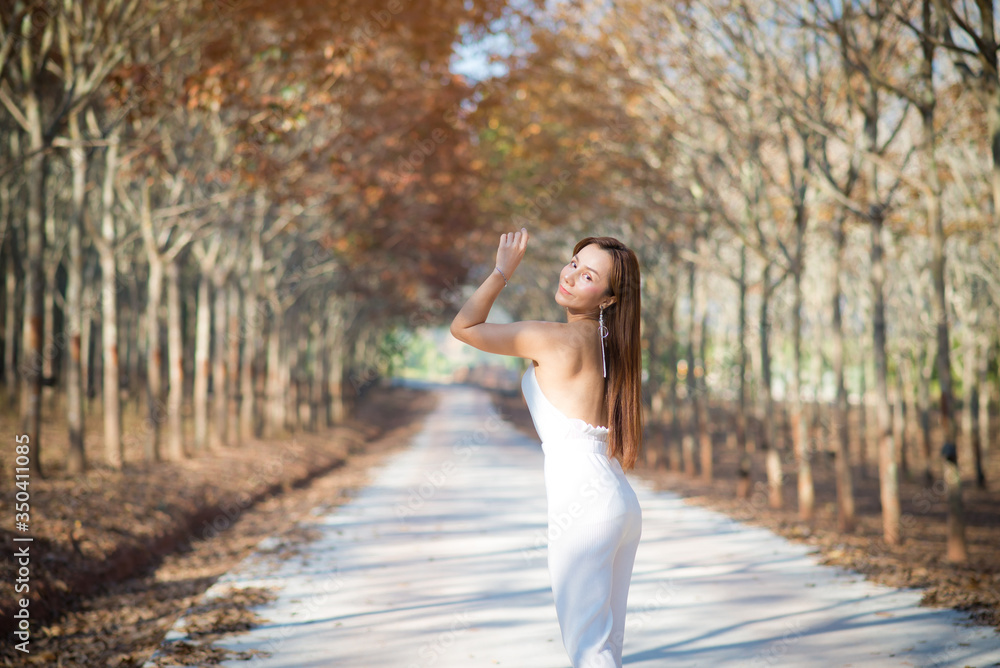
(123, 620)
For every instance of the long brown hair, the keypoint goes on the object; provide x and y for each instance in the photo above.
(623, 388)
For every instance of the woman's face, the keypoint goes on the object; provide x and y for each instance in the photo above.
(583, 282)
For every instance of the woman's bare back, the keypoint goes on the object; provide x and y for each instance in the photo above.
(574, 381)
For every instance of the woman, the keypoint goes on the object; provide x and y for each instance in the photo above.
(578, 379)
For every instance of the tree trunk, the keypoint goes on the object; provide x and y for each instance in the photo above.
(745, 470)
(220, 376)
(704, 433)
(7, 259)
(990, 92)
(114, 453)
(651, 338)
(134, 339)
(320, 357)
(154, 360)
(656, 387)
(807, 495)
(672, 402)
(10, 318)
(130, 321)
(984, 399)
(863, 437)
(688, 442)
(359, 376)
(670, 455)
(912, 410)
(50, 351)
(970, 405)
(76, 462)
(302, 393)
(970, 368)
(775, 475)
(86, 338)
(233, 339)
(250, 332)
(351, 365)
(156, 408)
(275, 397)
(957, 550)
(846, 519)
(202, 363)
(705, 445)
(888, 473)
(924, 402)
(252, 324)
(899, 424)
(97, 375)
(335, 380)
(657, 375)
(34, 286)
(292, 376)
(175, 356)
(288, 419)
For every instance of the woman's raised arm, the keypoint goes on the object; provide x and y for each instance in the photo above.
(529, 339)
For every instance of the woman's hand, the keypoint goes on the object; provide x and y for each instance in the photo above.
(511, 250)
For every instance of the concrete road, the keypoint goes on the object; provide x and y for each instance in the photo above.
(441, 562)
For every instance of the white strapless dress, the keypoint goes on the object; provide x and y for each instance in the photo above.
(594, 525)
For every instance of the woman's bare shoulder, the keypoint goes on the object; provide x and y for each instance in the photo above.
(565, 349)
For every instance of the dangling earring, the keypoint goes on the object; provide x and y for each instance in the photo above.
(603, 331)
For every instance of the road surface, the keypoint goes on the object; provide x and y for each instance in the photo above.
(440, 562)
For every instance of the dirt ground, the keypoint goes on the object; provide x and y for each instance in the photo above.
(918, 562)
(118, 557)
